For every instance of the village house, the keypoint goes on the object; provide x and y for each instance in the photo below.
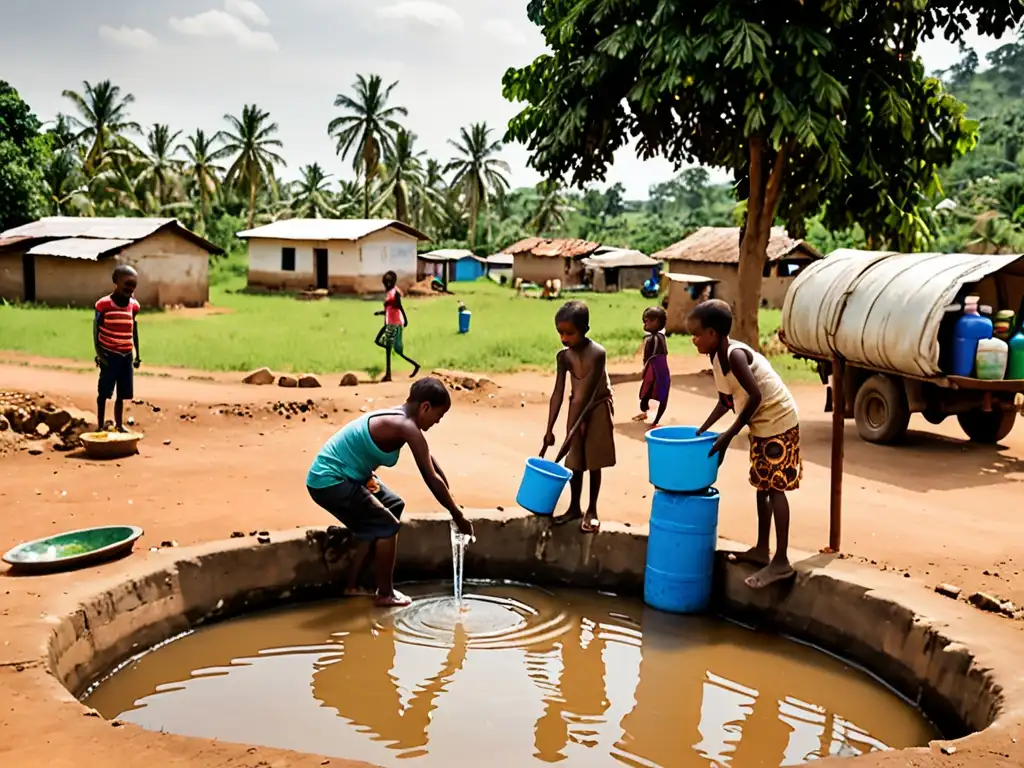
(539, 259)
(68, 260)
(337, 255)
(714, 252)
(618, 269)
(452, 265)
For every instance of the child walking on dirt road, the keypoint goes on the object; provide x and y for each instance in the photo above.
(395, 321)
(748, 385)
(590, 441)
(115, 336)
(342, 480)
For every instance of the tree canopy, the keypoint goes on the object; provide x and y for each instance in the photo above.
(22, 153)
(811, 106)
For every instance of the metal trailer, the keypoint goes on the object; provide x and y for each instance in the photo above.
(880, 316)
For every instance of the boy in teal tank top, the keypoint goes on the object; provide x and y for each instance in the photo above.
(342, 480)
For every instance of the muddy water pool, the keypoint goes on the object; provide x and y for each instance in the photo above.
(516, 676)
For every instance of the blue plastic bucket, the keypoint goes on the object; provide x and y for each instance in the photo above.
(542, 484)
(681, 551)
(678, 461)
(464, 318)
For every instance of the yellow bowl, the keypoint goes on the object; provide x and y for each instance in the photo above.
(110, 445)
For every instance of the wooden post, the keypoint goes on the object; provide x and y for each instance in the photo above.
(835, 526)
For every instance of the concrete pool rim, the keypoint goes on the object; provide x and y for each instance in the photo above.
(959, 666)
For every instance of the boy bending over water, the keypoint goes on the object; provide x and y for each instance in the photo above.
(342, 480)
(590, 442)
(748, 385)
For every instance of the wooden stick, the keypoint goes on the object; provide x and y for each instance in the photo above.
(835, 526)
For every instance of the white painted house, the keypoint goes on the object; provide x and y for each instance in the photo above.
(339, 255)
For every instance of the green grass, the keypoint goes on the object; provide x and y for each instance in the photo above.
(508, 333)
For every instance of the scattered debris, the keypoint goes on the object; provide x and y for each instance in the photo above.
(288, 381)
(986, 602)
(35, 451)
(460, 380)
(35, 416)
(947, 749)
(948, 590)
(167, 442)
(260, 377)
(1008, 609)
(168, 544)
(263, 539)
(237, 535)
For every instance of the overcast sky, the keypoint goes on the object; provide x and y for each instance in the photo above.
(190, 61)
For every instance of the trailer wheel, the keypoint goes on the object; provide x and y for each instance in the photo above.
(987, 427)
(881, 410)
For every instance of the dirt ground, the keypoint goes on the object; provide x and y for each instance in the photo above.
(218, 458)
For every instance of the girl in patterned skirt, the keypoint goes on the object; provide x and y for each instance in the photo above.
(749, 386)
(656, 381)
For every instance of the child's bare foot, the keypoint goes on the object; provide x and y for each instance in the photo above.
(385, 380)
(773, 572)
(590, 523)
(640, 417)
(395, 600)
(754, 556)
(568, 516)
(414, 372)
(121, 429)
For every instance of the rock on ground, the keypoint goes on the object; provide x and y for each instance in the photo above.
(309, 381)
(259, 377)
(349, 380)
(287, 381)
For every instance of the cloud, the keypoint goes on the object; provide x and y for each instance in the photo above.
(426, 12)
(223, 26)
(247, 10)
(505, 31)
(128, 37)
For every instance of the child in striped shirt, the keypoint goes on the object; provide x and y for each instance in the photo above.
(115, 335)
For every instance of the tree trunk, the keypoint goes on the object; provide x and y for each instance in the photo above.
(366, 195)
(762, 204)
(252, 203)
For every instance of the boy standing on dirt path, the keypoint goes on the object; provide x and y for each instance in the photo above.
(115, 336)
(590, 442)
(748, 385)
(342, 480)
(395, 321)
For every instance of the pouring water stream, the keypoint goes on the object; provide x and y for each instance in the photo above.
(459, 543)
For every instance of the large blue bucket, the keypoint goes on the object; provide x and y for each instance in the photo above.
(542, 484)
(464, 318)
(681, 551)
(677, 460)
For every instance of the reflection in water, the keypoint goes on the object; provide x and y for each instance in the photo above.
(513, 676)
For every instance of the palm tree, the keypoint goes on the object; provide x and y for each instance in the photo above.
(161, 168)
(478, 174)
(549, 207)
(200, 165)
(404, 179)
(311, 198)
(102, 119)
(251, 139)
(65, 186)
(428, 201)
(369, 129)
(349, 200)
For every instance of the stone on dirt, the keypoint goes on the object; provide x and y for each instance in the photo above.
(42, 430)
(288, 381)
(349, 380)
(308, 381)
(4, 423)
(948, 590)
(259, 377)
(986, 602)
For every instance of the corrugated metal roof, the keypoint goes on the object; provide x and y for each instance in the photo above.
(322, 230)
(500, 260)
(553, 248)
(721, 245)
(79, 248)
(880, 309)
(620, 258)
(448, 254)
(679, 277)
(98, 228)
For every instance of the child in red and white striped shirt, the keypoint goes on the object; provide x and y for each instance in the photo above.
(115, 335)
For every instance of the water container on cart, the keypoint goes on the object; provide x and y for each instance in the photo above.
(968, 331)
(992, 358)
(681, 551)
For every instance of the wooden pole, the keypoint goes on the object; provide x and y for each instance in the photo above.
(835, 526)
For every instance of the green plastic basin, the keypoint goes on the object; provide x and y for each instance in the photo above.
(73, 549)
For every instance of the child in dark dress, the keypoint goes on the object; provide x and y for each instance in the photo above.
(657, 381)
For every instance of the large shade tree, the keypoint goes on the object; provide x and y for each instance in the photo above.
(368, 130)
(22, 159)
(807, 104)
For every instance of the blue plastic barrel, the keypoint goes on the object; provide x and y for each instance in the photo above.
(541, 486)
(677, 460)
(464, 318)
(681, 551)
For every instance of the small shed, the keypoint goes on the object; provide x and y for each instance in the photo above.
(337, 255)
(682, 293)
(539, 259)
(452, 265)
(68, 260)
(619, 269)
(715, 252)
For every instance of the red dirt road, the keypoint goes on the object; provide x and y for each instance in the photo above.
(937, 509)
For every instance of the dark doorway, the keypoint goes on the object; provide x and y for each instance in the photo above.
(28, 276)
(320, 262)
